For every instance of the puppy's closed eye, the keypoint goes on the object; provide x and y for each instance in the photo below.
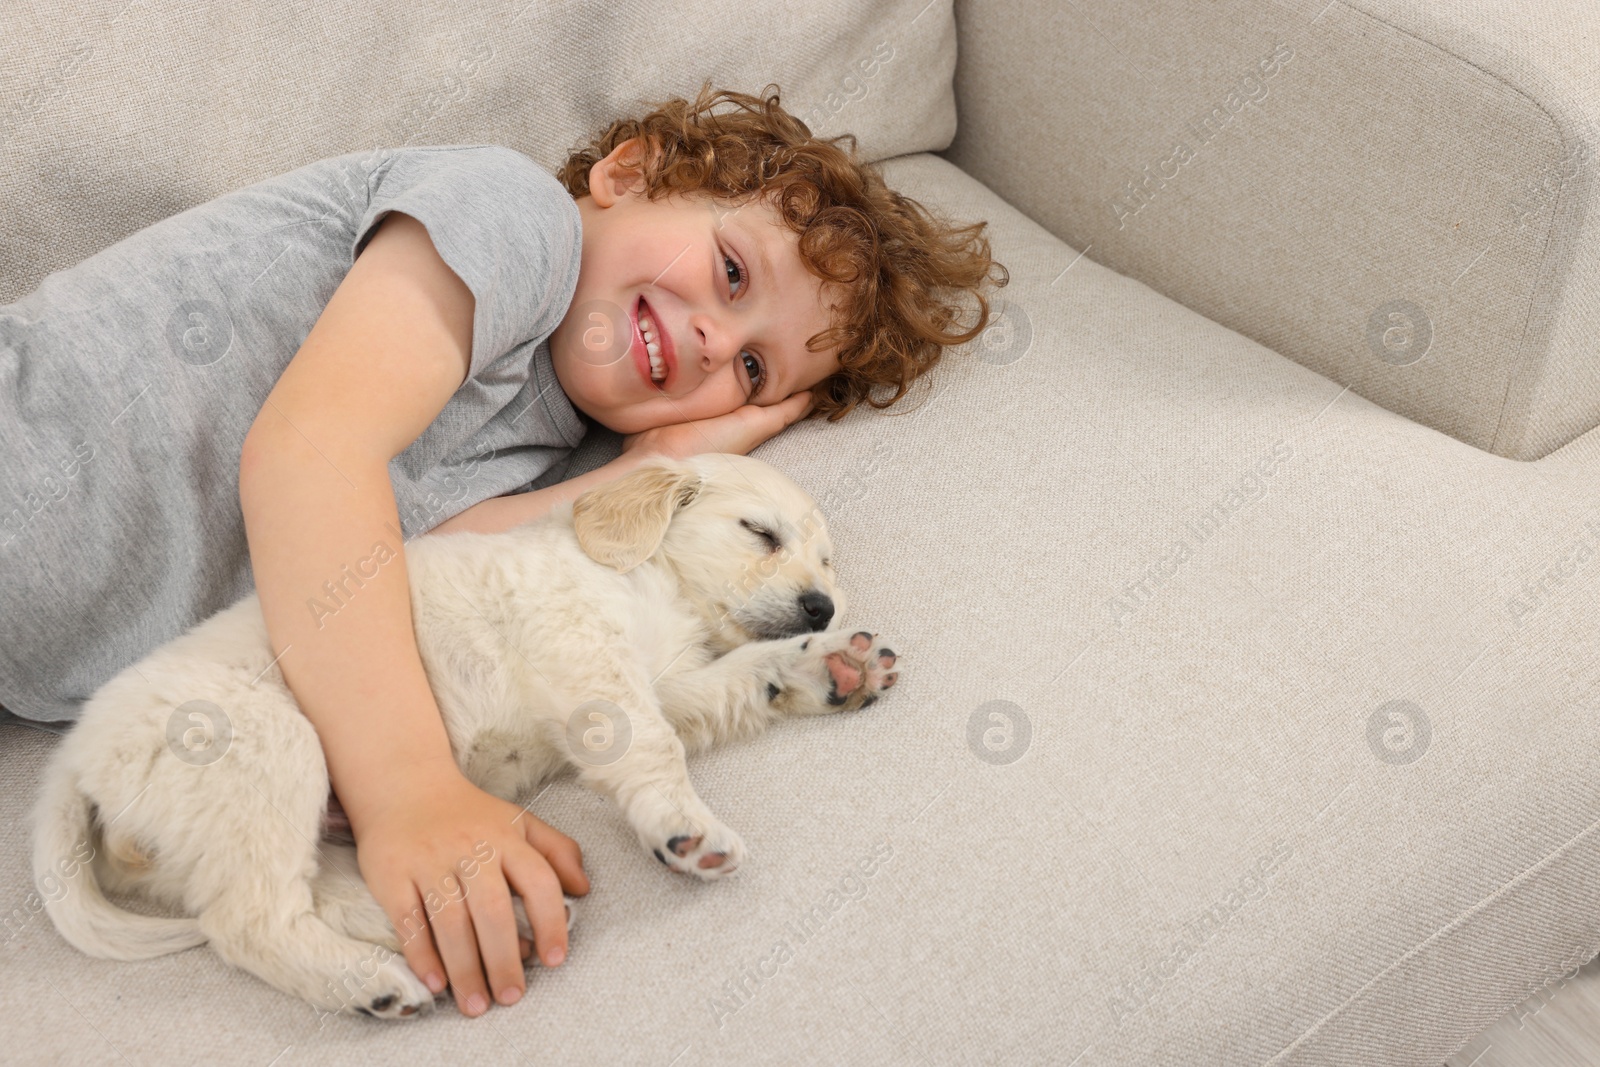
(772, 538)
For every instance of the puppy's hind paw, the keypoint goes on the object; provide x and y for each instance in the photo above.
(393, 993)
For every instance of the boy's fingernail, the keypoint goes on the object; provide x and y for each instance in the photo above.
(510, 995)
(434, 982)
(476, 1004)
(556, 955)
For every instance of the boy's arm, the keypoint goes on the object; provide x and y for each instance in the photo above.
(500, 513)
(737, 432)
(390, 349)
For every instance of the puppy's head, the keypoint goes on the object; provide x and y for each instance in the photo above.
(750, 548)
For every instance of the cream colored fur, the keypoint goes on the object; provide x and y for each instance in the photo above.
(647, 619)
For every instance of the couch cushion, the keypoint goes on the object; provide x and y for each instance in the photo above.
(131, 112)
(1240, 720)
(1397, 194)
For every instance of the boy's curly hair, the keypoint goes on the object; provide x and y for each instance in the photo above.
(893, 258)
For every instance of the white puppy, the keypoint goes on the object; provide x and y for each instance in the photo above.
(685, 604)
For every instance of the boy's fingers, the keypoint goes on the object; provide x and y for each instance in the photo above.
(765, 421)
(541, 899)
(796, 406)
(489, 902)
(792, 410)
(560, 851)
(411, 927)
(458, 944)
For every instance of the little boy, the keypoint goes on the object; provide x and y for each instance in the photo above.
(277, 388)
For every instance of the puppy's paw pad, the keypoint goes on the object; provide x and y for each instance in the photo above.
(858, 668)
(395, 993)
(707, 855)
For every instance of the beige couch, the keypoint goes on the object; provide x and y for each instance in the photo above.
(1243, 576)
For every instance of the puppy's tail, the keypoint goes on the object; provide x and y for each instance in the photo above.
(64, 844)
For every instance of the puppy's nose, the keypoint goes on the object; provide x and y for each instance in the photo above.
(817, 609)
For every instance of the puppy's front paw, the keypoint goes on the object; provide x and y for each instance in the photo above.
(837, 670)
(713, 852)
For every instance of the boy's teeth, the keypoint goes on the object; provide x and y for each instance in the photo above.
(652, 345)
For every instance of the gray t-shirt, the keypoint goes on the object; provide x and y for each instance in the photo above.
(128, 382)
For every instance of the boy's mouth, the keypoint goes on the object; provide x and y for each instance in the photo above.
(644, 316)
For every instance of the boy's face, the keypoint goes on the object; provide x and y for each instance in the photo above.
(735, 328)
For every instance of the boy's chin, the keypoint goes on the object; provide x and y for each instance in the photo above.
(630, 420)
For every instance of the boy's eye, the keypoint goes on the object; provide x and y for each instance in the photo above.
(755, 375)
(751, 362)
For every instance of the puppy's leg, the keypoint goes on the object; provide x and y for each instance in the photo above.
(740, 692)
(342, 900)
(251, 891)
(634, 757)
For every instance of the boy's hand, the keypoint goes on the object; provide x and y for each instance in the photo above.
(738, 431)
(439, 856)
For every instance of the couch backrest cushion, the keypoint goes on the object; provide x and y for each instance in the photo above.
(129, 111)
(1395, 193)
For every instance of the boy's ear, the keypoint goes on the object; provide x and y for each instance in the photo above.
(612, 177)
(621, 523)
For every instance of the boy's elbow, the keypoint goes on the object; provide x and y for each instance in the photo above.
(259, 489)
(256, 455)
(274, 447)
(249, 462)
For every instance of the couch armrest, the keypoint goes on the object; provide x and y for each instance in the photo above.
(1394, 195)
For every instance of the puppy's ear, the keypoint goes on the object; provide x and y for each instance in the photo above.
(621, 523)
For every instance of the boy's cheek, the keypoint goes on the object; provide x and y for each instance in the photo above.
(601, 332)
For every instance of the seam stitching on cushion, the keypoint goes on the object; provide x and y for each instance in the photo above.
(1563, 198)
(1440, 932)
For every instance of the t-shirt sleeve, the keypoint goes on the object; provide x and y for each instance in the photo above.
(504, 224)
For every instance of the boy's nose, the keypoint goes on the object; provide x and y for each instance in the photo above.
(719, 340)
